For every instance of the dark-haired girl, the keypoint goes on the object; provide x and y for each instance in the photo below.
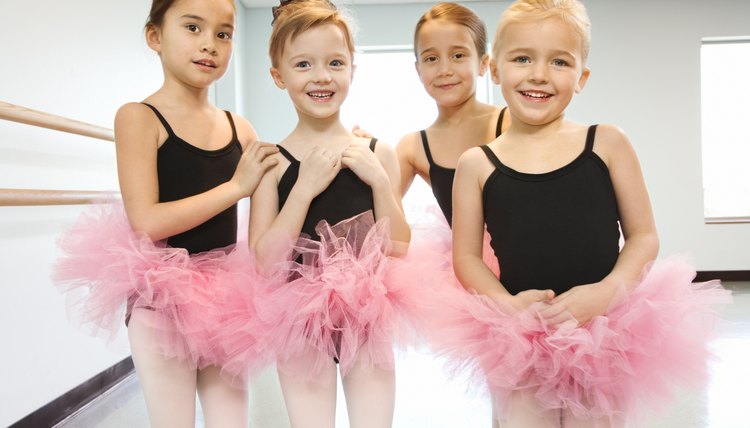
(167, 259)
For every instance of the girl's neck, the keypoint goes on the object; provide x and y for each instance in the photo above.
(177, 94)
(471, 108)
(328, 129)
(521, 129)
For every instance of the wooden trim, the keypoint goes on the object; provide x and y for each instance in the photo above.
(73, 400)
(38, 197)
(723, 275)
(28, 116)
(726, 220)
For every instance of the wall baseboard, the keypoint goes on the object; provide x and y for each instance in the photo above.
(723, 275)
(70, 402)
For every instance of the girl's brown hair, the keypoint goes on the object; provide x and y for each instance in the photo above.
(457, 14)
(159, 8)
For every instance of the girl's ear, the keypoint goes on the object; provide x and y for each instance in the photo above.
(153, 38)
(582, 80)
(494, 72)
(484, 64)
(276, 76)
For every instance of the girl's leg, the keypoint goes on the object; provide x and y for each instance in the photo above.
(570, 421)
(310, 404)
(495, 420)
(370, 396)
(525, 412)
(168, 385)
(223, 405)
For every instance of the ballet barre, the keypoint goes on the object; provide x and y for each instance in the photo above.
(41, 119)
(40, 197)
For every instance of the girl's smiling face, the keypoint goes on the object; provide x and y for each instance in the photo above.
(540, 67)
(194, 41)
(316, 70)
(448, 62)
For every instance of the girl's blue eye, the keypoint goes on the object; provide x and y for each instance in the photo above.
(302, 64)
(559, 63)
(337, 63)
(523, 59)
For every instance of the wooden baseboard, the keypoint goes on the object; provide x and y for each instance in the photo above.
(723, 275)
(70, 402)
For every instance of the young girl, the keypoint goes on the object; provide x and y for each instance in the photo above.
(450, 44)
(169, 258)
(577, 332)
(335, 196)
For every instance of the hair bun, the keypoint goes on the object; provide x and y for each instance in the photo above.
(276, 10)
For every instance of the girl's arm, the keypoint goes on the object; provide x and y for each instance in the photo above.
(380, 171)
(387, 195)
(405, 151)
(468, 234)
(636, 215)
(136, 142)
(637, 223)
(271, 230)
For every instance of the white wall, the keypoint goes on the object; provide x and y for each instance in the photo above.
(645, 78)
(80, 59)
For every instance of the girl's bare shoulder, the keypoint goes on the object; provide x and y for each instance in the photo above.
(611, 143)
(136, 122)
(472, 159)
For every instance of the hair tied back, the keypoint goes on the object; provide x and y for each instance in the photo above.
(276, 10)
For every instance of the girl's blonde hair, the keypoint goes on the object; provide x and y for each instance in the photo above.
(457, 14)
(295, 17)
(571, 12)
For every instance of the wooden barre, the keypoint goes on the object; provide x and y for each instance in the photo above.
(37, 197)
(41, 119)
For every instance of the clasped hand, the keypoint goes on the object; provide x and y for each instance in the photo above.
(580, 304)
(318, 169)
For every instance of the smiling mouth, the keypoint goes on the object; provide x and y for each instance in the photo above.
(321, 95)
(205, 64)
(536, 95)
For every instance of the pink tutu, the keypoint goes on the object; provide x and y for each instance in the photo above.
(618, 365)
(107, 270)
(340, 299)
(431, 248)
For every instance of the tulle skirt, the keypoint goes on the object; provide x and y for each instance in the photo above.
(622, 365)
(340, 299)
(431, 250)
(106, 270)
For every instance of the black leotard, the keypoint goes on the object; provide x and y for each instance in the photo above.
(441, 178)
(185, 170)
(553, 230)
(345, 197)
